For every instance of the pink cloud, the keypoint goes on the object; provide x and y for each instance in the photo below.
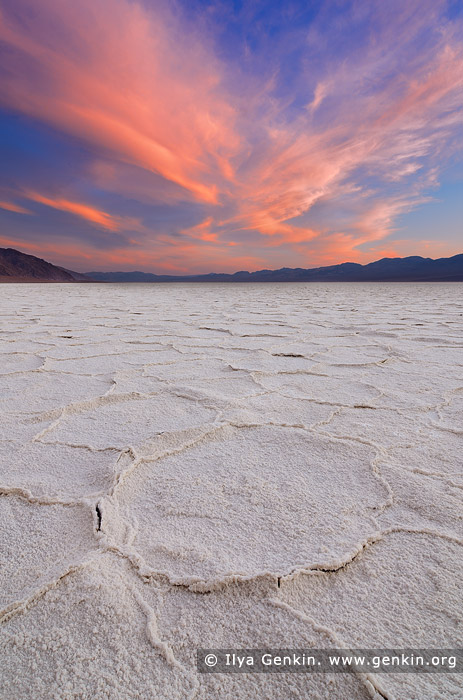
(202, 231)
(84, 211)
(10, 206)
(151, 98)
(126, 82)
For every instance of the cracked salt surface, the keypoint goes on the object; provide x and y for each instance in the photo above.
(227, 466)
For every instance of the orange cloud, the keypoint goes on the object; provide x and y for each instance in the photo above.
(129, 83)
(100, 218)
(9, 206)
(95, 216)
(202, 231)
(148, 96)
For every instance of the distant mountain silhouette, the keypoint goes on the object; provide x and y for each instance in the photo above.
(411, 269)
(20, 267)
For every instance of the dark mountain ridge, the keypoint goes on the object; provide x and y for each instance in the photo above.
(410, 269)
(21, 267)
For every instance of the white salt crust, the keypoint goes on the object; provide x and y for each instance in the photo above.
(245, 466)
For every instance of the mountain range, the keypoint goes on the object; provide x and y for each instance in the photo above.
(20, 267)
(16, 266)
(411, 269)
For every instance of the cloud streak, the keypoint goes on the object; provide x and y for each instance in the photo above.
(11, 206)
(127, 83)
(174, 129)
(84, 211)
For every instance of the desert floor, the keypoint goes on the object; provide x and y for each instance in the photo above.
(228, 466)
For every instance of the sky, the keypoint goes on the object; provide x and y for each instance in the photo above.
(192, 136)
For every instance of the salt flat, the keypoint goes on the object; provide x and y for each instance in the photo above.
(227, 466)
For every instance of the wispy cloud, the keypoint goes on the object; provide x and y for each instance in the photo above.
(370, 113)
(11, 206)
(84, 211)
(124, 79)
